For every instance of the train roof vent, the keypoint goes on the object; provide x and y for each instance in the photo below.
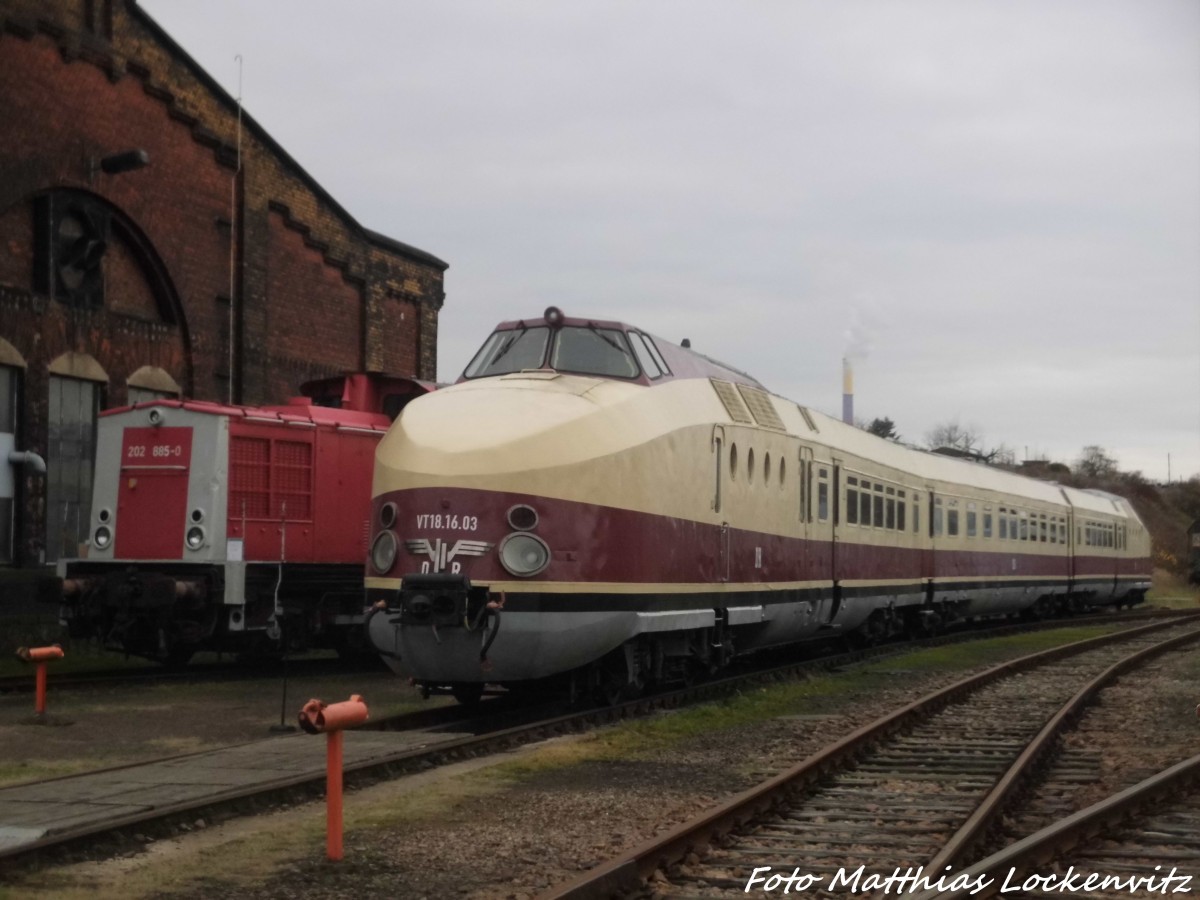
(808, 419)
(733, 402)
(761, 407)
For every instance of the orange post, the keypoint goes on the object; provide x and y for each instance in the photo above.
(333, 795)
(40, 656)
(316, 718)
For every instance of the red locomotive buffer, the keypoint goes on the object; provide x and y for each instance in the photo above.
(232, 528)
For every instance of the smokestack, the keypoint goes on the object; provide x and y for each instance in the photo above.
(847, 391)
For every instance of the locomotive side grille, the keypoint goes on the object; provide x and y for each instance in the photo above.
(249, 477)
(293, 479)
(761, 407)
(270, 479)
(733, 402)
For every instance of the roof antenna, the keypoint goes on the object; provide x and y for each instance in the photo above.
(686, 344)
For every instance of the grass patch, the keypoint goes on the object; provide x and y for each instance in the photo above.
(17, 772)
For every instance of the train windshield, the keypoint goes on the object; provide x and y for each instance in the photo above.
(510, 351)
(586, 350)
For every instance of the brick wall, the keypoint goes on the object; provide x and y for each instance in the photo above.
(311, 292)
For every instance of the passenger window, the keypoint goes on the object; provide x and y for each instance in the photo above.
(851, 502)
(750, 466)
(733, 462)
(891, 512)
(971, 523)
(877, 517)
(952, 520)
(937, 517)
(987, 523)
(864, 508)
(823, 499)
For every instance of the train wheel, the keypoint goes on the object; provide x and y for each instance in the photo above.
(468, 693)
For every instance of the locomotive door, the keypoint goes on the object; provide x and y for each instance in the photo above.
(835, 511)
(152, 495)
(1071, 543)
(804, 560)
(721, 561)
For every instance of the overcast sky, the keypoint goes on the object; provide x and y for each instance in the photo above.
(993, 205)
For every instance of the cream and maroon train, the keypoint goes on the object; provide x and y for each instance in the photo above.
(591, 500)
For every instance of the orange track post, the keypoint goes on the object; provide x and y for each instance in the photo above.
(39, 656)
(330, 718)
(333, 796)
(39, 703)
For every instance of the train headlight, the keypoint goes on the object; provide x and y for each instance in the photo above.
(523, 517)
(194, 537)
(383, 552)
(387, 515)
(102, 537)
(524, 554)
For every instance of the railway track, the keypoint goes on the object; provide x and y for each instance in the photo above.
(432, 737)
(919, 788)
(196, 673)
(1145, 837)
(233, 669)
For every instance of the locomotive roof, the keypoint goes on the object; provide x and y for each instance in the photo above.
(301, 411)
(682, 361)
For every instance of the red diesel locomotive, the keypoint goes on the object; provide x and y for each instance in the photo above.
(232, 528)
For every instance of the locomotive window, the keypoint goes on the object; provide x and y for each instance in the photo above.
(916, 514)
(851, 503)
(971, 520)
(891, 512)
(1042, 528)
(900, 507)
(937, 517)
(1003, 527)
(510, 351)
(877, 515)
(766, 468)
(864, 506)
(750, 466)
(782, 473)
(823, 496)
(645, 357)
(952, 522)
(653, 348)
(733, 462)
(593, 351)
(1024, 527)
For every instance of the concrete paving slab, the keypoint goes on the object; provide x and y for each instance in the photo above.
(30, 812)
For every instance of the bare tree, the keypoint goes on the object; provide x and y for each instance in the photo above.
(953, 435)
(1094, 462)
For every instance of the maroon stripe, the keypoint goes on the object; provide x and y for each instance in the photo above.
(594, 543)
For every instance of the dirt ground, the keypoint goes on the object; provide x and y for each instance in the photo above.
(101, 727)
(503, 827)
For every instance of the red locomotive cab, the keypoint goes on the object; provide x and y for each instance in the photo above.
(231, 527)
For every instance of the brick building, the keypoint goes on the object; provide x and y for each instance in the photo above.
(141, 254)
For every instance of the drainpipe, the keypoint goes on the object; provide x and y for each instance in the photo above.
(27, 458)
